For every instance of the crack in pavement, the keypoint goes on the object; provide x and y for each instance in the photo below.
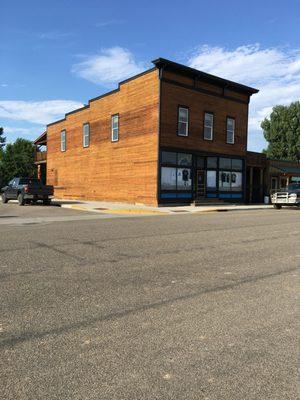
(30, 336)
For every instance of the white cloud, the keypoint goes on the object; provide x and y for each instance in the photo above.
(4, 85)
(110, 66)
(37, 112)
(14, 130)
(55, 35)
(104, 24)
(274, 71)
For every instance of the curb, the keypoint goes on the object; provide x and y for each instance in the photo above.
(132, 211)
(120, 211)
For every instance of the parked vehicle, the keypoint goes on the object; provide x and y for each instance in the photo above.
(288, 197)
(27, 190)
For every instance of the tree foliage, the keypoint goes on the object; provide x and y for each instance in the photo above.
(2, 144)
(282, 132)
(2, 138)
(17, 160)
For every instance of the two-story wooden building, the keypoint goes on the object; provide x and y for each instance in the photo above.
(170, 134)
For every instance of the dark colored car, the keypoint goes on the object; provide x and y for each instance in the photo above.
(27, 190)
(288, 197)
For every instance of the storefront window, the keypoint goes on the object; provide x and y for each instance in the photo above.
(212, 162)
(220, 174)
(211, 180)
(168, 178)
(168, 157)
(236, 181)
(200, 162)
(237, 164)
(184, 179)
(225, 163)
(224, 180)
(184, 159)
(230, 181)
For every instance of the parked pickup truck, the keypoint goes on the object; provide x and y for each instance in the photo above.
(288, 197)
(26, 190)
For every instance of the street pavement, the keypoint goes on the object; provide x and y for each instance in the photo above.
(197, 306)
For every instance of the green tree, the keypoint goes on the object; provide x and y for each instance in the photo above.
(2, 144)
(18, 159)
(282, 132)
(2, 138)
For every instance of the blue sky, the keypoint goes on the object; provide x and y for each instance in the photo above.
(56, 55)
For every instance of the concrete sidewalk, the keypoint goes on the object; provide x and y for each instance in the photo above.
(104, 207)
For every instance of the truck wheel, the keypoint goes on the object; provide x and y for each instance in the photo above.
(4, 198)
(46, 202)
(277, 206)
(21, 200)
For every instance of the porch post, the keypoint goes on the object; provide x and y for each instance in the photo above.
(261, 190)
(251, 185)
(39, 171)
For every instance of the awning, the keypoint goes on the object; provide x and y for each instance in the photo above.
(290, 170)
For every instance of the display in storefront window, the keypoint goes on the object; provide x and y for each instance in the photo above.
(184, 179)
(236, 181)
(168, 178)
(230, 181)
(224, 180)
(211, 180)
(184, 159)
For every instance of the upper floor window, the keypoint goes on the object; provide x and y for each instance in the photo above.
(230, 130)
(63, 140)
(115, 128)
(86, 134)
(208, 126)
(183, 121)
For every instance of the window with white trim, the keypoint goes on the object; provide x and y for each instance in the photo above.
(86, 134)
(183, 121)
(230, 130)
(208, 126)
(115, 128)
(63, 140)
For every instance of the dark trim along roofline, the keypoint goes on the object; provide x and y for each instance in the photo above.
(183, 69)
(104, 94)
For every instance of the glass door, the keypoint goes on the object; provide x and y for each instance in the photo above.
(200, 184)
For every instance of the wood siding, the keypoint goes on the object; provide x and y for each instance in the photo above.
(125, 170)
(178, 90)
(256, 159)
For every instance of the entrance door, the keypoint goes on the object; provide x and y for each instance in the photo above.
(200, 184)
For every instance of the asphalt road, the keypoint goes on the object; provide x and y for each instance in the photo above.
(164, 307)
